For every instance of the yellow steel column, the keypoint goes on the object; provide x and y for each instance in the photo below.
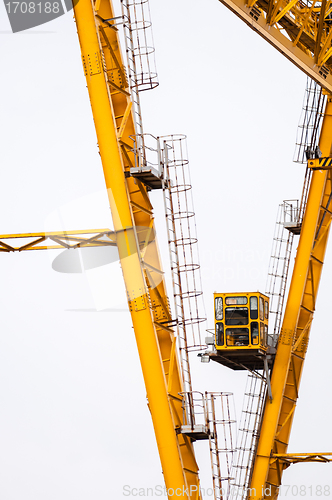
(294, 303)
(128, 249)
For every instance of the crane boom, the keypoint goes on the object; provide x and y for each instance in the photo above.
(133, 224)
(294, 335)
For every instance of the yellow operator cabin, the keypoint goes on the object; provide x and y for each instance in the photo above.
(241, 329)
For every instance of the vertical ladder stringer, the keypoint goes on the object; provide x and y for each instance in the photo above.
(248, 433)
(294, 336)
(278, 273)
(221, 425)
(133, 223)
(177, 289)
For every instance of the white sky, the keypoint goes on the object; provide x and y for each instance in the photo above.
(73, 421)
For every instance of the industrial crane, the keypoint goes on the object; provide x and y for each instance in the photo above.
(128, 182)
(173, 438)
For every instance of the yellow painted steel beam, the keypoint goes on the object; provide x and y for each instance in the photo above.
(64, 239)
(133, 223)
(294, 336)
(301, 33)
(288, 459)
(320, 30)
(320, 163)
(287, 8)
(56, 233)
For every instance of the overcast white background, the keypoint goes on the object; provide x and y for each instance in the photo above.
(73, 417)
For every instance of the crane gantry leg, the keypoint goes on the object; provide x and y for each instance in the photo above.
(294, 335)
(133, 225)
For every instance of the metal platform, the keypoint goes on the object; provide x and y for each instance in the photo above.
(294, 228)
(196, 432)
(238, 359)
(148, 175)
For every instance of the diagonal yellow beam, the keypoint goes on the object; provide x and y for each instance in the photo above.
(276, 423)
(320, 30)
(275, 9)
(124, 120)
(325, 54)
(284, 11)
(176, 454)
(115, 59)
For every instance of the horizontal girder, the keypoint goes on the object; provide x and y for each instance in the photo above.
(55, 240)
(299, 29)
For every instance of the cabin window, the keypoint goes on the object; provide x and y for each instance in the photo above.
(237, 336)
(236, 316)
(219, 309)
(266, 304)
(219, 334)
(254, 333)
(265, 336)
(253, 308)
(261, 309)
(236, 301)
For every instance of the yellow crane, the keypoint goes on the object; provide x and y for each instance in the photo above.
(95, 33)
(113, 110)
